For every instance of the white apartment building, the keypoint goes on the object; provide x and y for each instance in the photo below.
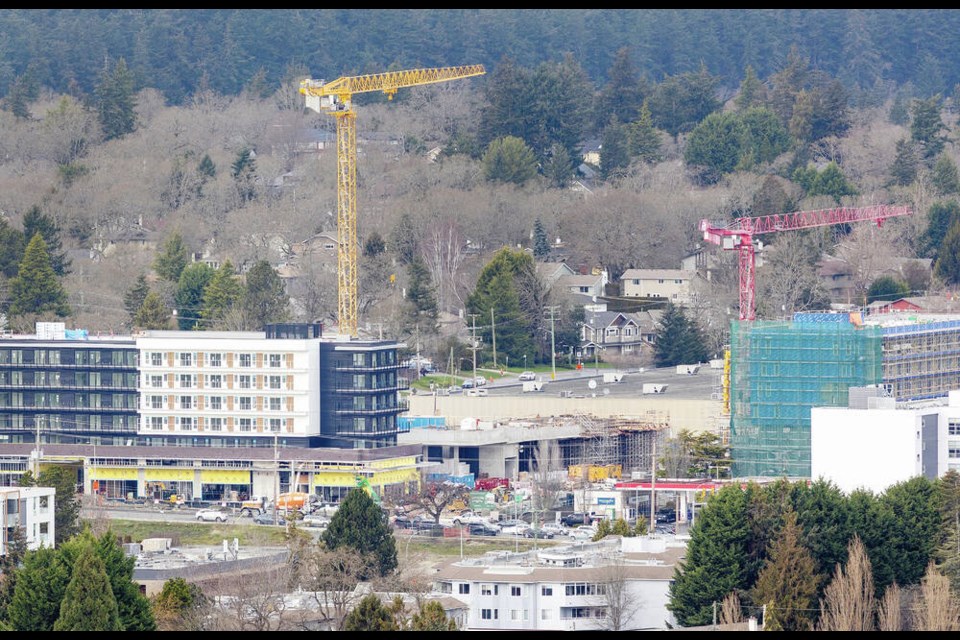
(615, 584)
(672, 284)
(228, 384)
(877, 442)
(31, 509)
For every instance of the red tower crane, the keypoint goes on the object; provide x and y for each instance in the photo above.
(738, 235)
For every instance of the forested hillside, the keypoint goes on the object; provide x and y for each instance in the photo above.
(167, 162)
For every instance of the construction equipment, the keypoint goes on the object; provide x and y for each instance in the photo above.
(739, 235)
(336, 98)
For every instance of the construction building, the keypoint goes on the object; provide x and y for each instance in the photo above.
(204, 415)
(780, 370)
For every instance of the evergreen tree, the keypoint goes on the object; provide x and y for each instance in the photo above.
(221, 294)
(927, 128)
(432, 617)
(714, 564)
(244, 171)
(714, 145)
(948, 550)
(361, 525)
(116, 101)
(265, 298)
(603, 530)
(153, 313)
(35, 222)
(900, 110)
(177, 604)
(36, 288)
(369, 615)
(947, 265)
(831, 182)
(207, 168)
(66, 503)
(40, 587)
(873, 521)
(88, 603)
(771, 198)
(752, 93)
(787, 585)
(614, 151)
(915, 504)
(624, 92)
(403, 239)
(133, 608)
(12, 244)
(644, 139)
(374, 245)
(558, 167)
(946, 177)
(498, 288)
(680, 102)
(509, 159)
(887, 288)
(172, 259)
(189, 295)
(9, 564)
(134, 296)
(906, 161)
(421, 303)
(678, 339)
(763, 138)
(541, 245)
(823, 513)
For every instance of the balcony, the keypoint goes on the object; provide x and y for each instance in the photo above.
(354, 368)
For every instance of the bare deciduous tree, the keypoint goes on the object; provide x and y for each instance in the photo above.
(332, 578)
(245, 604)
(443, 251)
(936, 608)
(848, 601)
(621, 602)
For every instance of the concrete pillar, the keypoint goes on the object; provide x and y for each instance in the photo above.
(682, 506)
(141, 479)
(197, 485)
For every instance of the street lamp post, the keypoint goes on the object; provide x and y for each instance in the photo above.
(524, 362)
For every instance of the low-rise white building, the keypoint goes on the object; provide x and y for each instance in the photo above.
(31, 509)
(876, 442)
(614, 584)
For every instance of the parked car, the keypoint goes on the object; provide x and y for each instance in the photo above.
(267, 518)
(666, 516)
(527, 375)
(575, 519)
(468, 517)
(454, 389)
(555, 529)
(482, 529)
(583, 532)
(469, 383)
(402, 522)
(315, 521)
(514, 528)
(211, 515)
(532, 532)
(479, 381)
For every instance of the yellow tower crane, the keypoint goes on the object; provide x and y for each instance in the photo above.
(335, 98)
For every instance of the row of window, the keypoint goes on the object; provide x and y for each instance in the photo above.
(115, 357)
(572, 589)
(216, 403)
(67, 379)
(69, 422)
(69, 400)
(572, 613)
(190, 359)
(191, 423)
(215, 381)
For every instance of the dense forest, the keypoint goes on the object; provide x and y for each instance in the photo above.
(154, 161)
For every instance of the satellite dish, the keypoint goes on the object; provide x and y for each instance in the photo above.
(592, 384)
(606, 392)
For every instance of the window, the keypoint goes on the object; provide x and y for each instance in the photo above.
(545, 614)
(274, 424)
(581, 589)
(953, 452)
(186, 402)
(489, 614)
(186, 381)
(186, 359)
(273, 382)
(246, 424)
(953, 428)
(464, 587)
(489, 589)
(156, 423)
(546, 591)
(156, 402)
(215, 424)
(244, 382)
(156, 359)
(246, 403)
(155, 381)
(516, 590)
(274, 360)
(359, 359)
(246, 360)
(518, 614)
(44, 528)
(274, 404)
(215, 381)
(216, 402)
(187, 423)
(215, 359)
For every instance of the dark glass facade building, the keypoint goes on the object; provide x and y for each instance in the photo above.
(68, 387)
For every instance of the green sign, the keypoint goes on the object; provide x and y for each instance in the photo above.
(482, 500)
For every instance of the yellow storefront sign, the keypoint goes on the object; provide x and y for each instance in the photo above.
(169, 475)
(224, 476)
(113, 473)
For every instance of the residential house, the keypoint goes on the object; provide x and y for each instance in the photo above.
(31, 509)
(614, 332)
(550, 272)
(588, 285)
(672, 284)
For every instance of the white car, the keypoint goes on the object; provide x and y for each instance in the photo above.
(211, 515)
(527, 375)
(514, 528)
(470, 518)
(583, 532)
(318, 522)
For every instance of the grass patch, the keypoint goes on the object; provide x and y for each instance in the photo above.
(447, 548)
(199, 533)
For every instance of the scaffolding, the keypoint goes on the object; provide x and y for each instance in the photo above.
(627, 441)
(779, 371)
(921, 357)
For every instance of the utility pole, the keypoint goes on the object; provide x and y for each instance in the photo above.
(553, 344)
(474, 346)
(493, 328)
(276, 479)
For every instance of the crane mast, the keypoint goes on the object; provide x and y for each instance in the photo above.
(738, 235)
(335, 97)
